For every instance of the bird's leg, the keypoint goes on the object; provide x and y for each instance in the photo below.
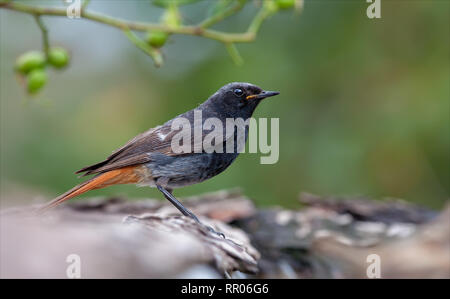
(169, 196)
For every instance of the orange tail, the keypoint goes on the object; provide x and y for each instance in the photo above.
(126, 175)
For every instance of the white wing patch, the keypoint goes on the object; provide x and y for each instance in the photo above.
(161, 136)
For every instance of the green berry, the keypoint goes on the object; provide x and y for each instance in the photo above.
(157, 39)
(36, 80)
(30, 61)
(58, 57)
(285, 4)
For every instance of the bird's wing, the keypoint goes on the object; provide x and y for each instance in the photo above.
(134, 152)
(139, 149)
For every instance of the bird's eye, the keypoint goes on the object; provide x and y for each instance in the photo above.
(238, 92)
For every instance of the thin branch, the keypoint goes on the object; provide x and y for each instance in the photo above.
(264, 12)
(229, 39)
(234, 53)
(138, 26)
(85, 4)
(45, 42)
(222, 15)
(155, 54)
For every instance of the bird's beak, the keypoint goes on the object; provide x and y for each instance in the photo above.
(264, 94)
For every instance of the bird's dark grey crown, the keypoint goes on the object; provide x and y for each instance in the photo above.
(248, 87)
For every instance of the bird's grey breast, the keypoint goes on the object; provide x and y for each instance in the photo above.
(187, 169)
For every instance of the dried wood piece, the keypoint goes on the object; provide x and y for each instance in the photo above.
(387, 211)
(112, 243)
(425, 254)
(332, 238)
(328, 238)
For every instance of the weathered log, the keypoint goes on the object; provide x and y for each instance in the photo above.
(334, 237)
(326, 238)
(118, 238)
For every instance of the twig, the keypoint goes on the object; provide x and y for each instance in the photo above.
(234, 54)
(45, 42)
(224, 14)
(85, 4)
(264, 12)
(130, 25)
(152, 52)
(229, 39)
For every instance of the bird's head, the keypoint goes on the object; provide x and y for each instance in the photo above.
(239, 99)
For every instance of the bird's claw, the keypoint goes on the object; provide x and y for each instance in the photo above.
(222, 235)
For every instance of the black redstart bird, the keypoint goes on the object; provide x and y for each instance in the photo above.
(149, 159)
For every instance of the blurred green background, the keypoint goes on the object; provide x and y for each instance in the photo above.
(364, 104)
